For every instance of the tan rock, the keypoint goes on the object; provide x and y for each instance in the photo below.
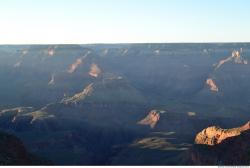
(235, 57)
(151, 119)
(95, 71)
(212, 85)
(215, 135)
(74, 66)
(79, 96)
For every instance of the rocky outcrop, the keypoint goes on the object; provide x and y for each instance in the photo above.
(25, 114)
(14, 113)
(151, 119)
(51, 51)
(232, 151)
(37, 115)
(17, 110)
(79, 96)
(235, 57)
(74, 66)
(95, 71)
(211, 83)
(215, 135)
(155, 143)
(79, 61)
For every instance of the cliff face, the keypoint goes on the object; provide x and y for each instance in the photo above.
(215, 135)
(12, 152)
(121, 82)
(217, 146)
(232, 151)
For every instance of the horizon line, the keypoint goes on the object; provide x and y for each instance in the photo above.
(122, 43)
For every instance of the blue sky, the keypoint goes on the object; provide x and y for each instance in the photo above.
(123, 21)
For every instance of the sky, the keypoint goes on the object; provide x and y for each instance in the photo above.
(123, 21)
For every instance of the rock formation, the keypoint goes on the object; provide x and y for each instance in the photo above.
(73, 67)
(215, 135)
(94, 70)
(17, 110)
(231, 151)
(151, 119)
(235, 57)
(213, 87)
(79, 96)
(51, 52)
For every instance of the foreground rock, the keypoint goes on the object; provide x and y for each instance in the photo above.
(215, 135)
(12, 152)
(231, 151)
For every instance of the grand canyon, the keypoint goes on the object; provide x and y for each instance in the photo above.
(125, 104)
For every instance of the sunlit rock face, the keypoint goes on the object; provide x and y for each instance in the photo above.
(51, 51)
(78, 62)
(211, 83)
(235, 57)
(15, 112)
(154, 143)
(74, 66)
(95, 71)
(151, 119)
(79, 96)
(215, 135)
(130, 80)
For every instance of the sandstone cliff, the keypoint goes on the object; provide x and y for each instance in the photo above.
(214, 135)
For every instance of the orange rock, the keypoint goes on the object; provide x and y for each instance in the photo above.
(151, 119)
(215, 135)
